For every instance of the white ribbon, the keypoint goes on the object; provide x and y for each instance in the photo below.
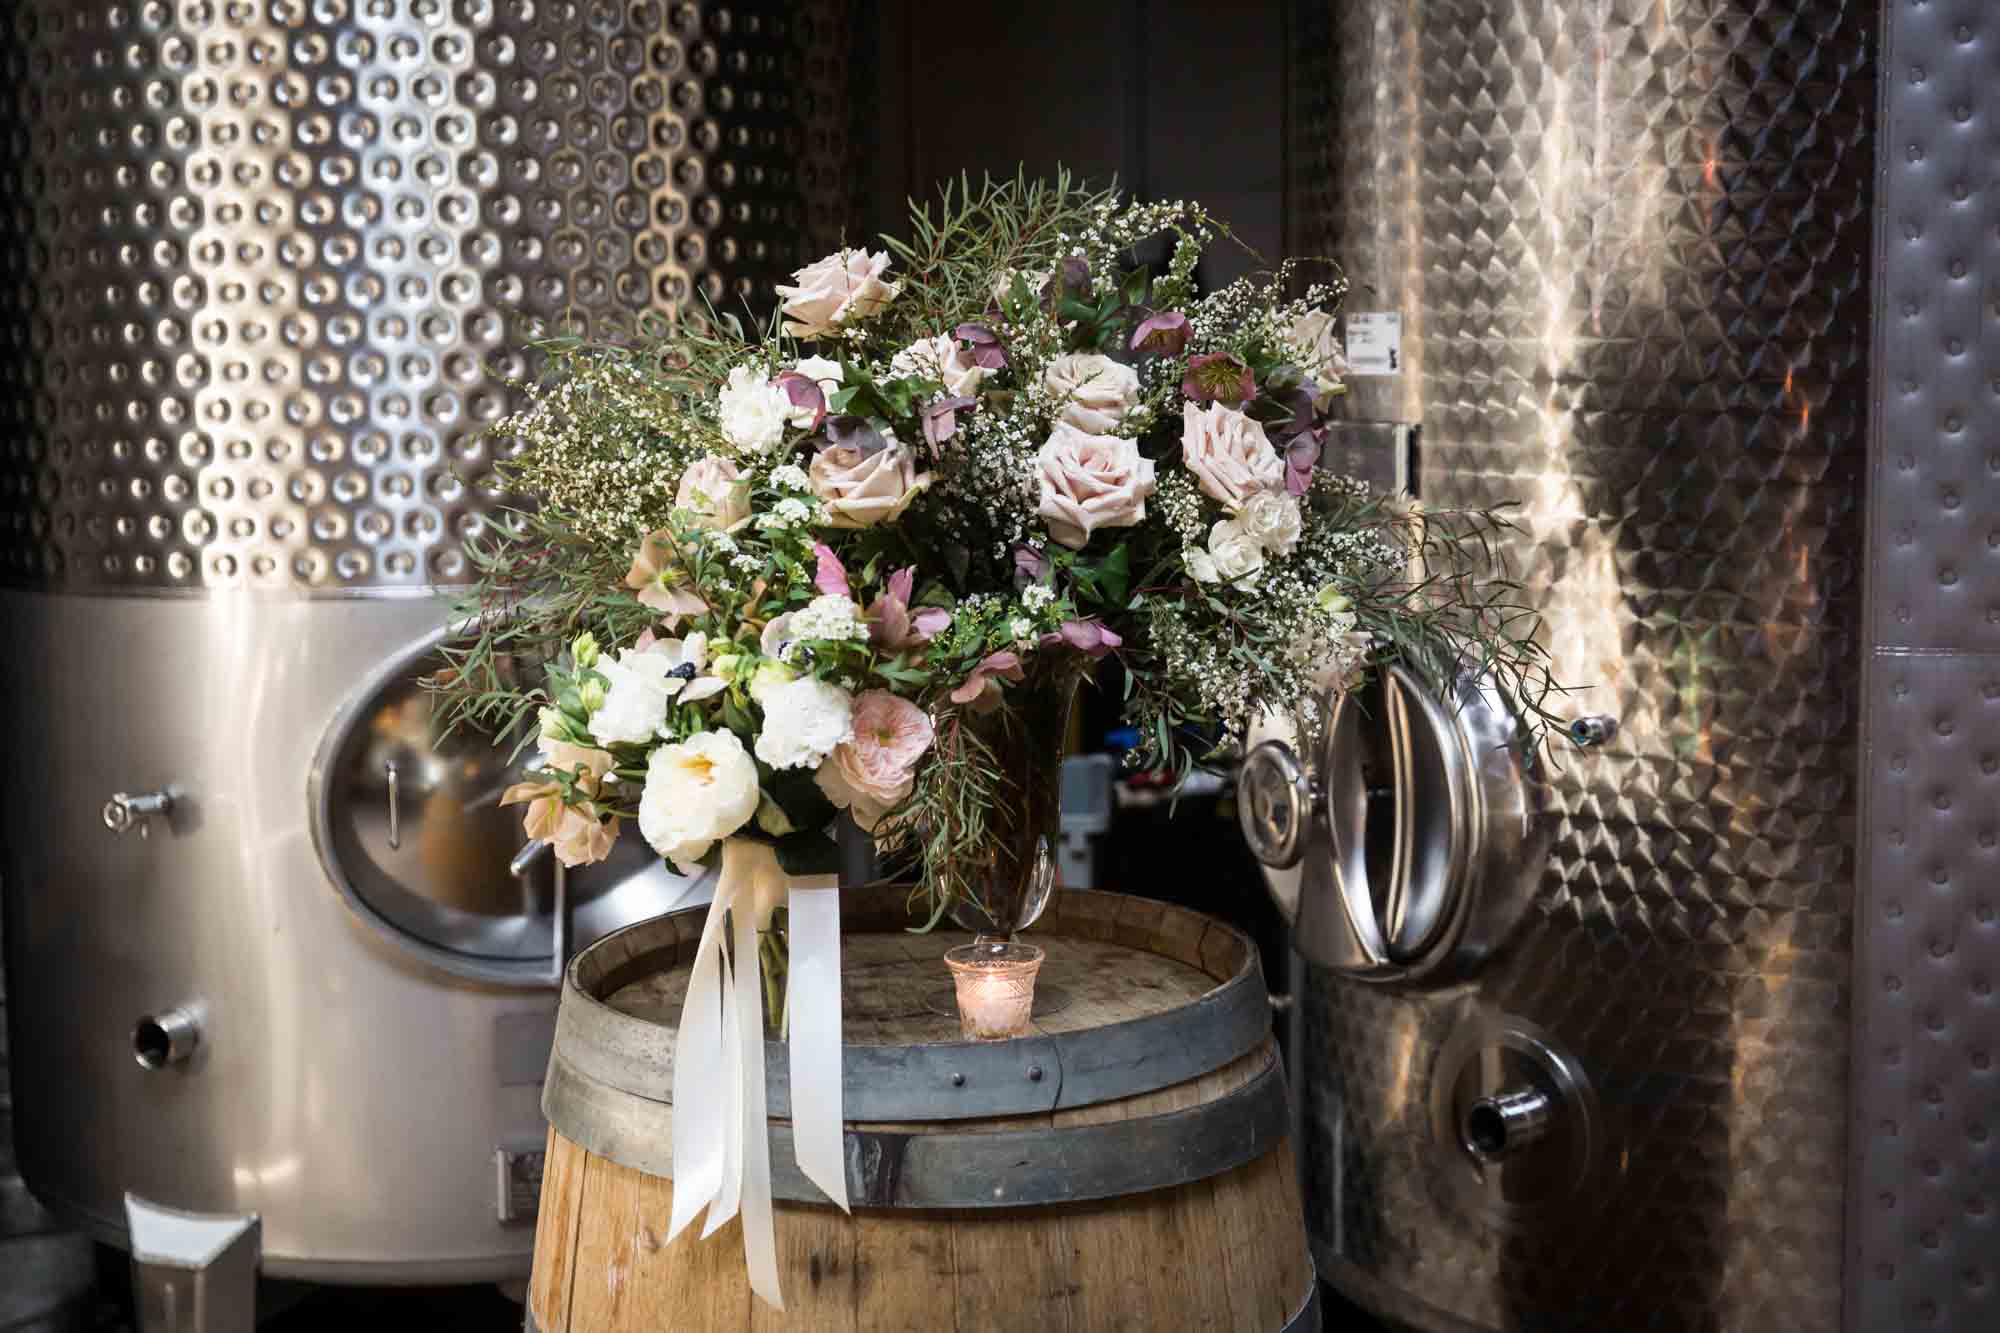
(721, 1144)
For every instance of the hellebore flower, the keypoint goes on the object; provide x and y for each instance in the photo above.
(1089, 637)
(892, 626)
(1218, 377)
(1030, 565)
(941, 419)
(1162, 335)
(808, 399)
(831, 576)
(985, 347)
(982, 688)
(1300, 457)
(856, 433)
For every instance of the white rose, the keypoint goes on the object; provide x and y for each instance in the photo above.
(845, 286)
(1200, 565)
(861, 490)
(1229, 454)
(1273, 518)
(697, 790)
(1317, 348)
(820, 370)
(939, 358)
(1098, 389)
(1234, 550)
(1090, 482)
(712, 489)
(636, 704)
(753, 411)
(803, 721)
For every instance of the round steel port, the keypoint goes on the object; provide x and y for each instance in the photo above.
(159, 1040)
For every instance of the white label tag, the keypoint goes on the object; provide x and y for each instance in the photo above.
(1375, 342)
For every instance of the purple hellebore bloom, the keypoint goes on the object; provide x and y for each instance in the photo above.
(831, 576)
(1088, 637)
(941, 418)
(985, 678)
(893, 626)
(986, 350)
(1162, 335)
(804, 392)
(856, 433)
(1300, 458)
(1218, 377)
(1030, 565)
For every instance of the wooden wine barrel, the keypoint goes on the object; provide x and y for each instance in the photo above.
(1123, 1167)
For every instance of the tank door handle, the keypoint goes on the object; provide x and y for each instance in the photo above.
(124, 813)
(395, 776)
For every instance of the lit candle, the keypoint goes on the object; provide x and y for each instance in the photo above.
(996, 987)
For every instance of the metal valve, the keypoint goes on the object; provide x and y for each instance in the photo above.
(124, 813)
(1275, 802)
(1595, 729)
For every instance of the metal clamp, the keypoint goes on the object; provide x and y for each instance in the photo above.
(524, 861)
(123, 813)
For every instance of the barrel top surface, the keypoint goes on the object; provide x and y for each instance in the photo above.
(1155, 995)
(891, 982)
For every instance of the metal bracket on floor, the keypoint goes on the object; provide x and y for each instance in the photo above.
(193, 1272)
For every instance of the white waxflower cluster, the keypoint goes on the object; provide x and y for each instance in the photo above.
(789, 512)
(1036, 596)
(829, 616)
(790, 477)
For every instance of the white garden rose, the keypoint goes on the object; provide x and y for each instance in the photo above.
(1235, 550)
(1229, 454)
(860, 489)
(939, 358)
(1099, 390)
(1315, 344)
(636, 704)
(820, 370)
(1090, 482)
(845, 286)
(1273, 518)
(803, 721)
(712, 489)
(697, 790)
(754, 412)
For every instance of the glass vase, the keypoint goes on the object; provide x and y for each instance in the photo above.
(1026, 733)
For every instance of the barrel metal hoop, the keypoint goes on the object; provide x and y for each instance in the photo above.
(1007, 1169)
(1307, 1320)
(935, 1081)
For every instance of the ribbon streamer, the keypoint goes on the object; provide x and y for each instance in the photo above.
(721, 1136)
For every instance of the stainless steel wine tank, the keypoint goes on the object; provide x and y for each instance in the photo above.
(265, 269)
(1710, 289)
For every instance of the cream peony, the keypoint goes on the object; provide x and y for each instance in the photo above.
(869, 775)
(1228, 454)
(1235, 550)
(1090, 482)
(1273, 518)
(712, 488)
(860, 490)
(845, 286)
(804, 720)
(636, 703)
(697, 790)
(939, 358)
(753, 411)
(1097, 390)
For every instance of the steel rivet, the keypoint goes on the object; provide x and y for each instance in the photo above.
(957, 1079)
(1034, 1073)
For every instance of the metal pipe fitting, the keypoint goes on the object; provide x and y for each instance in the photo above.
(1503, 1124)
(1596, 729)
(163, 1039)
(123, 813)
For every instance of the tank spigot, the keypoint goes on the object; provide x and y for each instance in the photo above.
(1506, 1122)
(1595, 729)
(124, 813)
(167, 1038)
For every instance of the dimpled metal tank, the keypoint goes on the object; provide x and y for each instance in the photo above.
(266, 268)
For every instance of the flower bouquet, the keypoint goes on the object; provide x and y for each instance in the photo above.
(859, 557)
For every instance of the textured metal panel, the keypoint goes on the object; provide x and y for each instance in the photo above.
(1924, 1195)
(1630, 244)
(265, 268)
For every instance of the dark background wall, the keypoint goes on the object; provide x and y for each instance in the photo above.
(1175, 98)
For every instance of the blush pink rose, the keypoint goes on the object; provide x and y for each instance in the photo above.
(712, 490)
(846, 285)
(1229, 454)
(863, 489)
(871, 774)
(1090, 482)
